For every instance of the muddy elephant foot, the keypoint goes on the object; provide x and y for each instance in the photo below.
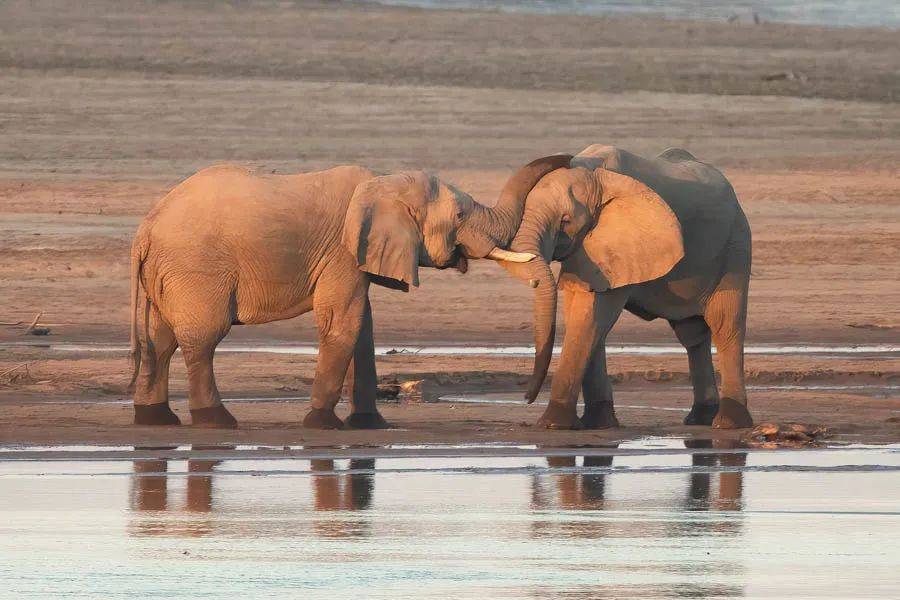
(366, 421)
(599, 415)
(322, 418)
(155, 414)
(213, 417)
(557, 416)
(732, 415)
(702, 414)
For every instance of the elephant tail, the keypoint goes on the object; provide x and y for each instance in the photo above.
(134, 354)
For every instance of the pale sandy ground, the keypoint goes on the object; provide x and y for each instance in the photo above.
(105, 105)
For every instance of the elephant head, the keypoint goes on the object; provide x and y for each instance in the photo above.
(607, 229)
(397, 223)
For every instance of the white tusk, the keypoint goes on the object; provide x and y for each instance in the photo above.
(516, 257)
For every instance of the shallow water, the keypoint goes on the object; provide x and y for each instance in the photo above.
(830, 13)
(647, 519)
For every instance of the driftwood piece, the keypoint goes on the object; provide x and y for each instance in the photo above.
(33, 329)
(34, 322)
(15, 368)
(414, 391)
(418, 390)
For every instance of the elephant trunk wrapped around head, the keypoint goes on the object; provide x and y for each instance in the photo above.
(488, 230)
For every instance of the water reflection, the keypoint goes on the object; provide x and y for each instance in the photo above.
(349, 491)
(150, 493)
(150, 486)
(731, 483)
(342, 492)
(637, 524)
(584, 493)
(161, 513)
(344, 495)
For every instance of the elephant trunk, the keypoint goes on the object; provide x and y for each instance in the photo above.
(537, 273)
(488, 228)
(544, 326)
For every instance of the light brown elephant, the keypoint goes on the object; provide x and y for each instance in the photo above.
(662, 237)
(228, 247)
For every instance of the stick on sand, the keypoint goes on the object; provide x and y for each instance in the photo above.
(34, 322)
(8, 371)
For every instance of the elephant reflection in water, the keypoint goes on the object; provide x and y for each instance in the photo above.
(587, 492)
(731, 483)
(580, 491)
(336, 491)
(332, 491)
(150, 492)
(574, 491)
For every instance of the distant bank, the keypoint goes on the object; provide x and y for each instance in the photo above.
(829, 13)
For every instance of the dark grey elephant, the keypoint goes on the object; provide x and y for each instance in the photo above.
(662, 237)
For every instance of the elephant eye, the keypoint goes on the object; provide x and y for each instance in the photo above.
(460, 215)
(566, 219)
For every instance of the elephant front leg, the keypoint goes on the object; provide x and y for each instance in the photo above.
(599, 412)
(589, 317)
(362, 379)
(339, 304)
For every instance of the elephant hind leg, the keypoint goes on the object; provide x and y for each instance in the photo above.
(198, 335)
(694, 334)
(726, 315)
(151, 392)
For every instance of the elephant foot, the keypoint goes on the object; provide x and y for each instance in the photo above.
(558, 416)
(599, 415)
(213, 417)
(702, 414)
(155, 414)
(322, 418)
(366, 421)
(732, 415)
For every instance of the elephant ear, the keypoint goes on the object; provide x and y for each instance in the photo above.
(381, 234)
(637, 238)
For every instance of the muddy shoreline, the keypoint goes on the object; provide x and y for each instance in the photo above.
(105, 106)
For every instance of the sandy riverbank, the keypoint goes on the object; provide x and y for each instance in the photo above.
(105, 106)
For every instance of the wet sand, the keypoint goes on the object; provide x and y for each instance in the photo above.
(105, 106)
